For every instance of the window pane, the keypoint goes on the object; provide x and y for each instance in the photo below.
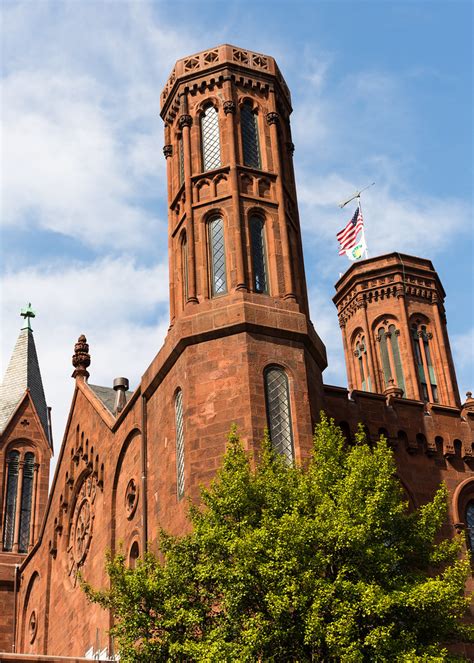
(470, 524)
(258, 254)
(179, 444)
(211, 145)
(26, 499)
(278, 412)
(387, 373)
(396, 357)
(248, 121)
(217, 256)
(10, 504)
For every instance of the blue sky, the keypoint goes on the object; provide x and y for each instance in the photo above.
(381, 91)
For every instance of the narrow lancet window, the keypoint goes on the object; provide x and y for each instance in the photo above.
(184, 264)
(426, 374)
(394, 334)
(178, 404)
(217, 257)
(181, 160)
(13, 463)
(277, 397)
(250, 144)
(257, 237)
(211, 143)
(360, 354)
(26, 502)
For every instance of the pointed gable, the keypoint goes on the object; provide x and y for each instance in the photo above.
(23, 373)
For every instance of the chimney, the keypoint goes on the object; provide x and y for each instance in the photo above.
(120, 386)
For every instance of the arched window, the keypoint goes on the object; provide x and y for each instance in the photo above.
(217, 256)
(26, 499)
(13, 463)
(210, 138)
(390, 354)
(184, 266)
(426, 376)
(277, 398)
(470, 524)
(134, 555)
(250, 144)
(178, 405)
(257, 238)
(360, 354)
(181, 160)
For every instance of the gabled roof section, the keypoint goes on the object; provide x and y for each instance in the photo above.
(23, 373)
(107, 395)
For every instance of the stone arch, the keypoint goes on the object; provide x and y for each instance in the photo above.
(116, 495)
(27, 639)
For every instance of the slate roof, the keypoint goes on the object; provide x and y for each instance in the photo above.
(23, 373)
(107, 396)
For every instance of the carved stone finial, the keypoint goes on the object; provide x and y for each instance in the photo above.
(168, 151)
(468, 404)
(185, 120)
(272, 118)
(81, 358)
(391, 391)
(229, 107)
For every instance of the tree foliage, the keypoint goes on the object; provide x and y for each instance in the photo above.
(283, 563)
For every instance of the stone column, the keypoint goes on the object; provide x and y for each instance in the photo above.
(413, 389)
(185, 122)
(19, 491)
(168, 153)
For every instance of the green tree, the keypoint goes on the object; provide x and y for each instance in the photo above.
(283, 563)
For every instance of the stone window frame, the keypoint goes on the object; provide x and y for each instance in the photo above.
(361, 360)
(180, 443)
(421, 337)
(386, 332)
(184, 265)
(210, 218)
(259, 214)
(210, 103)
(248, 104)
(24, 447)
(290, 457)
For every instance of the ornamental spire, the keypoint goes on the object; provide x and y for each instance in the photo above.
(81, 358)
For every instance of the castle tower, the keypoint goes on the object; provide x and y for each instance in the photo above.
(241, 347)
(25, 453)
(233, 215)
(393, 325)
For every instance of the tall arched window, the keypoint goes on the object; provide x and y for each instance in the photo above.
(184, 266)
(257, 238)
(277, 396)
(360, 354)
(178, 405)
(390, 354)
(250, 143)
(426, 376)
(26, 500)
(210, 139)
(217, 256)
(470, 524)
(13, 464)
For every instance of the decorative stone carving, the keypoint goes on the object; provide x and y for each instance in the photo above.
(81, 358)
(168, 151)
(32, 626)
(229, 107)
(272, 118)
(80, 527)
(185, 120)
(131, 498)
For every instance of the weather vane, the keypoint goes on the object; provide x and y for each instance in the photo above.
(355, 195)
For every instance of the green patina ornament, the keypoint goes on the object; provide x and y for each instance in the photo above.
(27, 313)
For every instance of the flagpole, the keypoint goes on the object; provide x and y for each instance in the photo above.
(363, 227)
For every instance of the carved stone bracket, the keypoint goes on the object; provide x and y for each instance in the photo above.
(229, 107)
(168, 151)
(273, 118)
(185, 120)
(290, 147)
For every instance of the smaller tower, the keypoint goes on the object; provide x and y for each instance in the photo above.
(393, 323)
(25, 454)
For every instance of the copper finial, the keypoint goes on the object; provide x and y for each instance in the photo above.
(81, 358)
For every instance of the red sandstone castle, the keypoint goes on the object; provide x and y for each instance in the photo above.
(241, 348)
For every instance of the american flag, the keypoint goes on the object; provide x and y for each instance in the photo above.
(347, 236)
